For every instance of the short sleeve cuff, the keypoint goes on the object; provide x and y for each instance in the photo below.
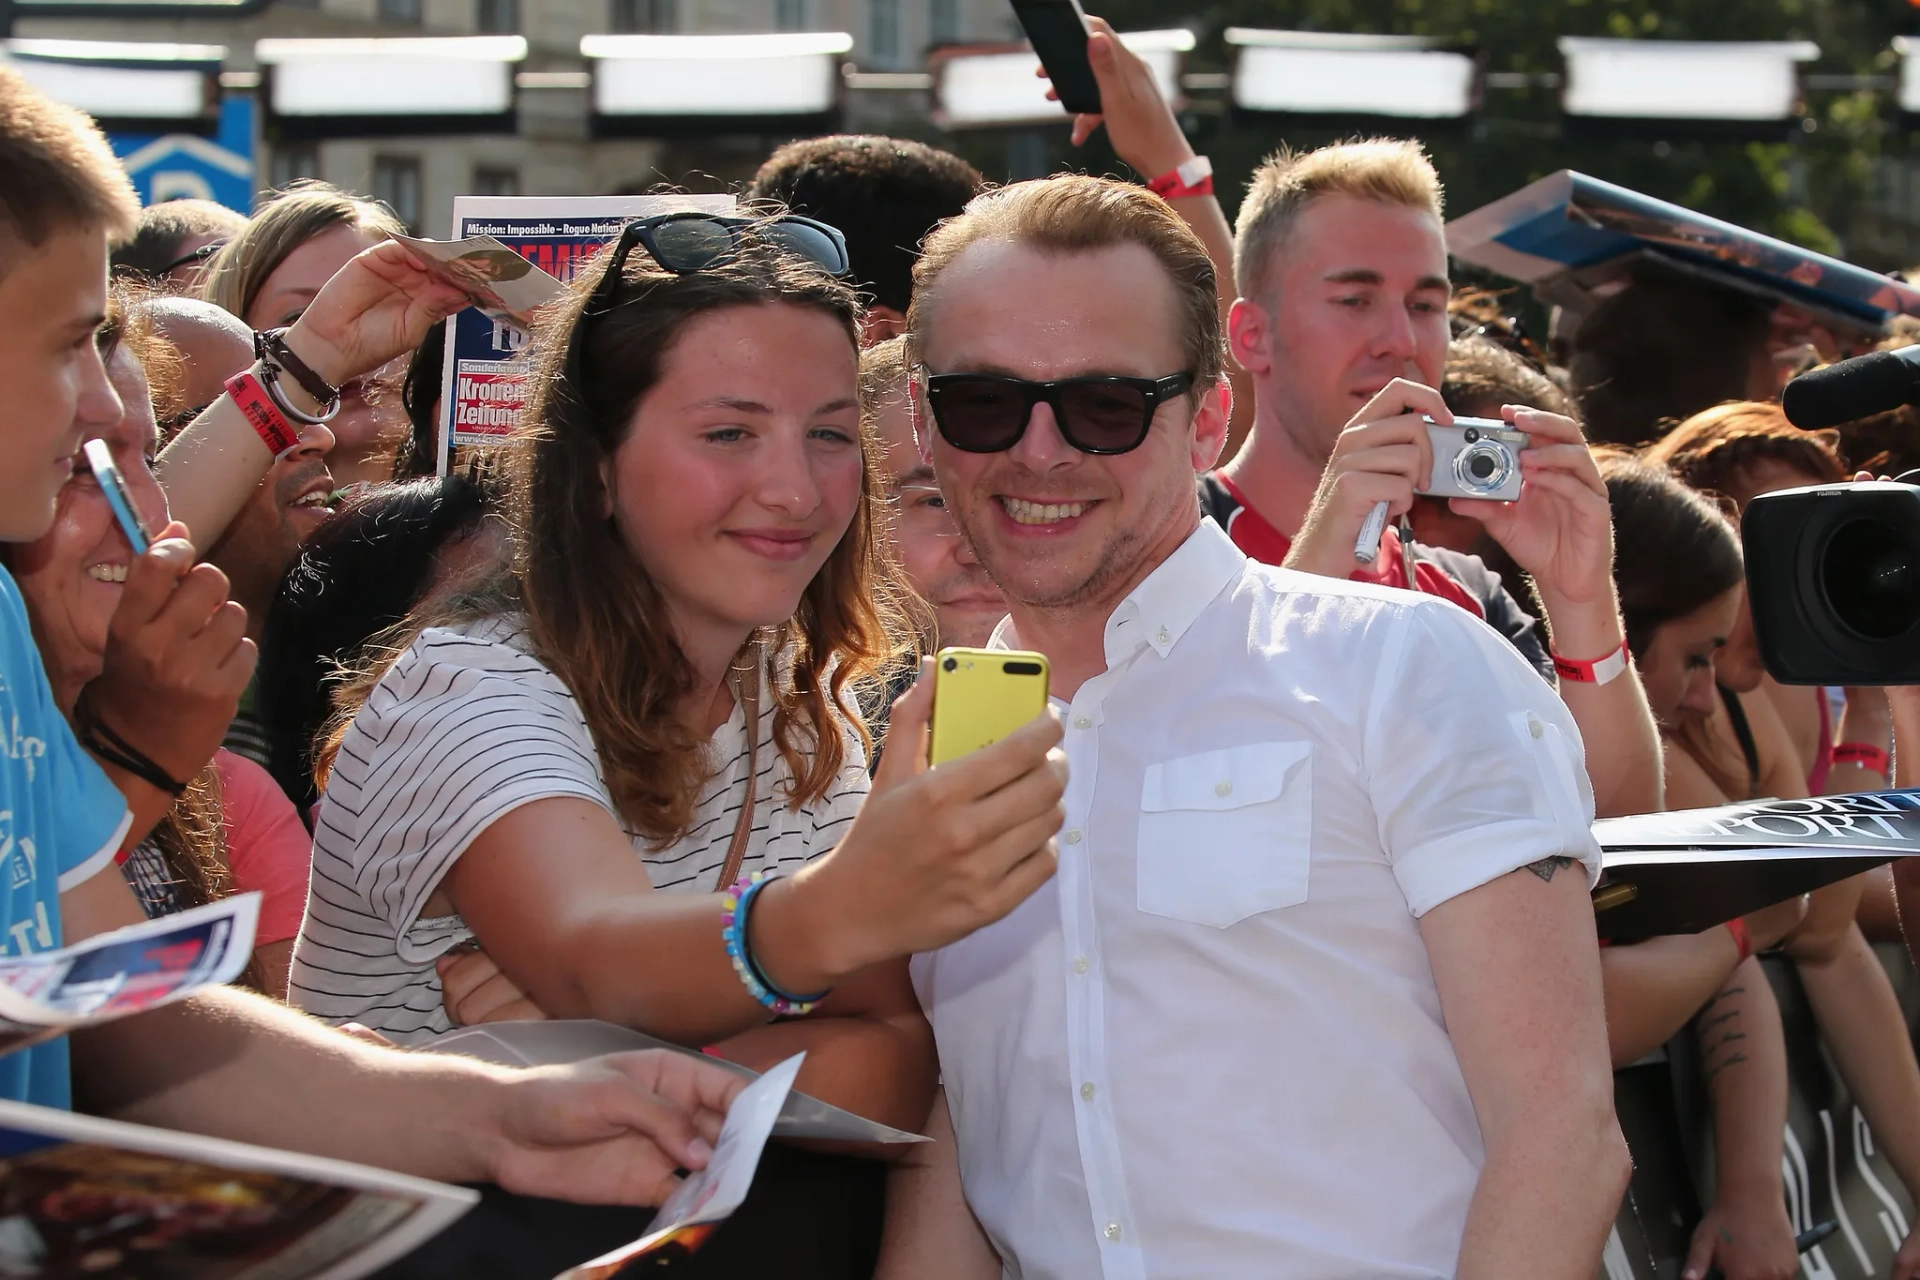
(101, 858)
(1435, 873)
(448, 850)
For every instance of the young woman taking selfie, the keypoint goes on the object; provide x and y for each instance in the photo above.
(655, 704)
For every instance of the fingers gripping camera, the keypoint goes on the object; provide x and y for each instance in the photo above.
(1475, 458)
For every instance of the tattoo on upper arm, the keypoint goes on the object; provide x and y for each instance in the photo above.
(1547, 868)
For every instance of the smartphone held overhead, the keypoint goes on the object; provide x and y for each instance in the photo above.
(1057, 29)
(982, 695)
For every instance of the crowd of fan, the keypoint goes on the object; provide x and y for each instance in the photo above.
(495, 757)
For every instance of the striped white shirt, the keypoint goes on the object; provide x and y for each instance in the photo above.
(466, 726)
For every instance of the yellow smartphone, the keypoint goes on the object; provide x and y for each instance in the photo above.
(982, 695)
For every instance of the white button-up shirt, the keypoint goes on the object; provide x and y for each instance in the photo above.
(1212, 1046)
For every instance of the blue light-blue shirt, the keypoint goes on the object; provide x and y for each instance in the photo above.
(61, 821)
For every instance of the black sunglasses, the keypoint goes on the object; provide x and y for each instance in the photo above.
(201, 254)
(989, 412)
(692, 240)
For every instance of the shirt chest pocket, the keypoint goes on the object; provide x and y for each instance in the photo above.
(1226, 834)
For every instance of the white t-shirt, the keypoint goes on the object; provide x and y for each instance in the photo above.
(466, 726)
(1211, 1047)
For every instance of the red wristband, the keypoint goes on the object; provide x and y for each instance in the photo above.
(1599, 671)
(1194, 178)
(262, 414)
(1866, 755)
(1741, 938)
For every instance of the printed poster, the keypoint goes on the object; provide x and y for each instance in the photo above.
(484, 383)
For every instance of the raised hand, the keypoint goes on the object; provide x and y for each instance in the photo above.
(1140, 122)
(1561, 529)
(935, 853)
(379, 306)
(177, 658)
(1383, 453)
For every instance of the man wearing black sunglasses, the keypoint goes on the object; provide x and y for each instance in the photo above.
(1313, 945)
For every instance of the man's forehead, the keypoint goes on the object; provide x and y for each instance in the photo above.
(1002, 303)
(1345, 238)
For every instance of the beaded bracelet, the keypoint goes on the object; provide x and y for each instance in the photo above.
(735, 904)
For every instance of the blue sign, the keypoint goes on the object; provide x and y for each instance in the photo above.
(177, 166)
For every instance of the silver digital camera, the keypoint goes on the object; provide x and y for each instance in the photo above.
(1475, 458)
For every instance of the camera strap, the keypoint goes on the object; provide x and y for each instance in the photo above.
(747, 692)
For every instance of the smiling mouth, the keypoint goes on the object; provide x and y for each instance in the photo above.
(107, 572)
(1023, 512)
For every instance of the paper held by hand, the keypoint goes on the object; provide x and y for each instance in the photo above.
(500, 281)
(539, 1044)
(709, 1196)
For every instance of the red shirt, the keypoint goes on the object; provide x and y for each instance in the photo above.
(1256, 536)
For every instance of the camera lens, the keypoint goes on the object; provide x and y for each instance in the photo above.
(1867, 575)
(951, 664)
(1482, 467)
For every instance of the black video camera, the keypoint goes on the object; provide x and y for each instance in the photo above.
(1833, 575)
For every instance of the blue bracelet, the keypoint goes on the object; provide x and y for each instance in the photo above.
(736, 904)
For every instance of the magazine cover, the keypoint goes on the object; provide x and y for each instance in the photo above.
(1569, 233)
(561, 1041)
(1692, 869)
(82, 1197)
(125, 971)
(483, 383)
(706, 1198)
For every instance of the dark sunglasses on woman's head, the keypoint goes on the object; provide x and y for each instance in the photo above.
(989, 412)
(692, 240)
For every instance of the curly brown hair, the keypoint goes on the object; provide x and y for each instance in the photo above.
(596, 616)
(1714, 448)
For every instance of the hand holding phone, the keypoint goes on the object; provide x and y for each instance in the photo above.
(1057, 29)
(114, 485)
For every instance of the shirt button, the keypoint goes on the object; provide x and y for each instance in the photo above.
(1073, 836)
(1080, 964)
(1113, 1231)
(1535, 727)
(1223, 788)
(1083, 722)
(1087, 1092)
(1165, 637)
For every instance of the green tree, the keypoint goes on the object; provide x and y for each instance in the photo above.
(1809, 188)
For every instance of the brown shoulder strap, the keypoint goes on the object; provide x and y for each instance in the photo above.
(749, 695)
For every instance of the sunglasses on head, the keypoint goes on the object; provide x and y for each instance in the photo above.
(692, 240)
(989, 412)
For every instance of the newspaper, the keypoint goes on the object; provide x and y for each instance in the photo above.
(538, 1044)
(505, 285)
(1692, 869)
(86, 1197)
(129, 970)
(484, 383)
(706, 1198)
